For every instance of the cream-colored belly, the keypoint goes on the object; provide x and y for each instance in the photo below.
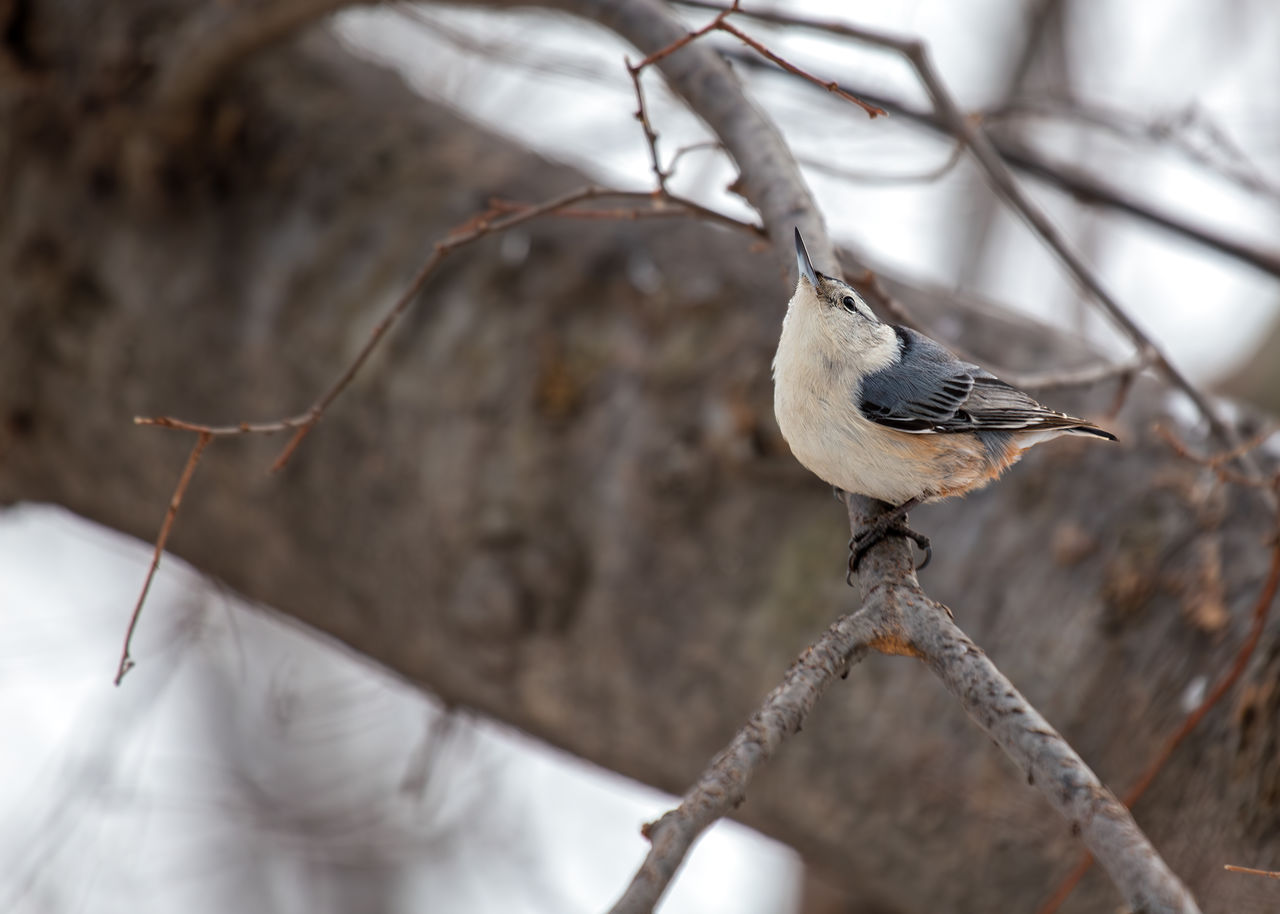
(857, 455)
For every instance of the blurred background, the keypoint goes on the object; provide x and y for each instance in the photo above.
(250, 763)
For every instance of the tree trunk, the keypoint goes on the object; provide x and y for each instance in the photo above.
(557, 495)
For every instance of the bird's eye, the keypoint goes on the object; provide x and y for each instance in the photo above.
(847, 301)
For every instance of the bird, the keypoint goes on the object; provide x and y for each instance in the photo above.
(881, 410)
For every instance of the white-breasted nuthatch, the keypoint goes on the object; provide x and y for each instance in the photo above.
(884, 411)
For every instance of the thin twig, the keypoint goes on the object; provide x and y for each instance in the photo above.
(872, 177)
(650, 137)
(1218, 462)
(723, 13)
(720, 23)
(691, 147)
(501, 216)
(1231, 163)
(302, 423)
(477, 229)
(1081, 377)
(830, 85)
(175, 502)
(768, 177)
(1080, 184)
(223, 431)
(659, 208)
(875, 293)
(1270, 874)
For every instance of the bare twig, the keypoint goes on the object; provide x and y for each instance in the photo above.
(875, 293)
(1230, 163)
(1004, 184)
(1270, 874)
(689, 37)
(873, 177)
(720, 23)
(1123, 372)
(1218, 463)
(650, 137)
(223, 431)
(686, 150)
(663, 205)
(830, 85)
(175, 502)
(1079, 183)
(769, 177)
(302, 423)
(501, 216)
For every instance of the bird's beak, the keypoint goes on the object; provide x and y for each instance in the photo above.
(803, 264)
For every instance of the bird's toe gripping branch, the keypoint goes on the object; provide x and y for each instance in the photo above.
(891, 523)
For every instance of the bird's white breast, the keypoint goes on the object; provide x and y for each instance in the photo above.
(815, 400)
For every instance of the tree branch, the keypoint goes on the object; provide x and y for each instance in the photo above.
(501, 216)
(1100, 820)
(352, 580)
(166, 527)
(769, 176)
(898, 618)
(1125, 371)
(723, 786)
(1075, 181)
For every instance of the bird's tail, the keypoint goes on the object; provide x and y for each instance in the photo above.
(1085, 428)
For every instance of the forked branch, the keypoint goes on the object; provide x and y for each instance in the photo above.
(898, 618)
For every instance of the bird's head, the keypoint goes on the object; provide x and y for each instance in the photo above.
(833, 312)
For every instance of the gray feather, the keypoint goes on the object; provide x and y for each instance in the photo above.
(925, 387)
(930, 390)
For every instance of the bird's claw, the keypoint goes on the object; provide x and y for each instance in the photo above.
(861, 544)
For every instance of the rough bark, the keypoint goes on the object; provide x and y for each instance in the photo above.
(558, 496)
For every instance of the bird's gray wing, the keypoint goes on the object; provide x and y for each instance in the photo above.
(923, 390)
(930, 390)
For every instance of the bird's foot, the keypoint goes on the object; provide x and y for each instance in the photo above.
(890, 524)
